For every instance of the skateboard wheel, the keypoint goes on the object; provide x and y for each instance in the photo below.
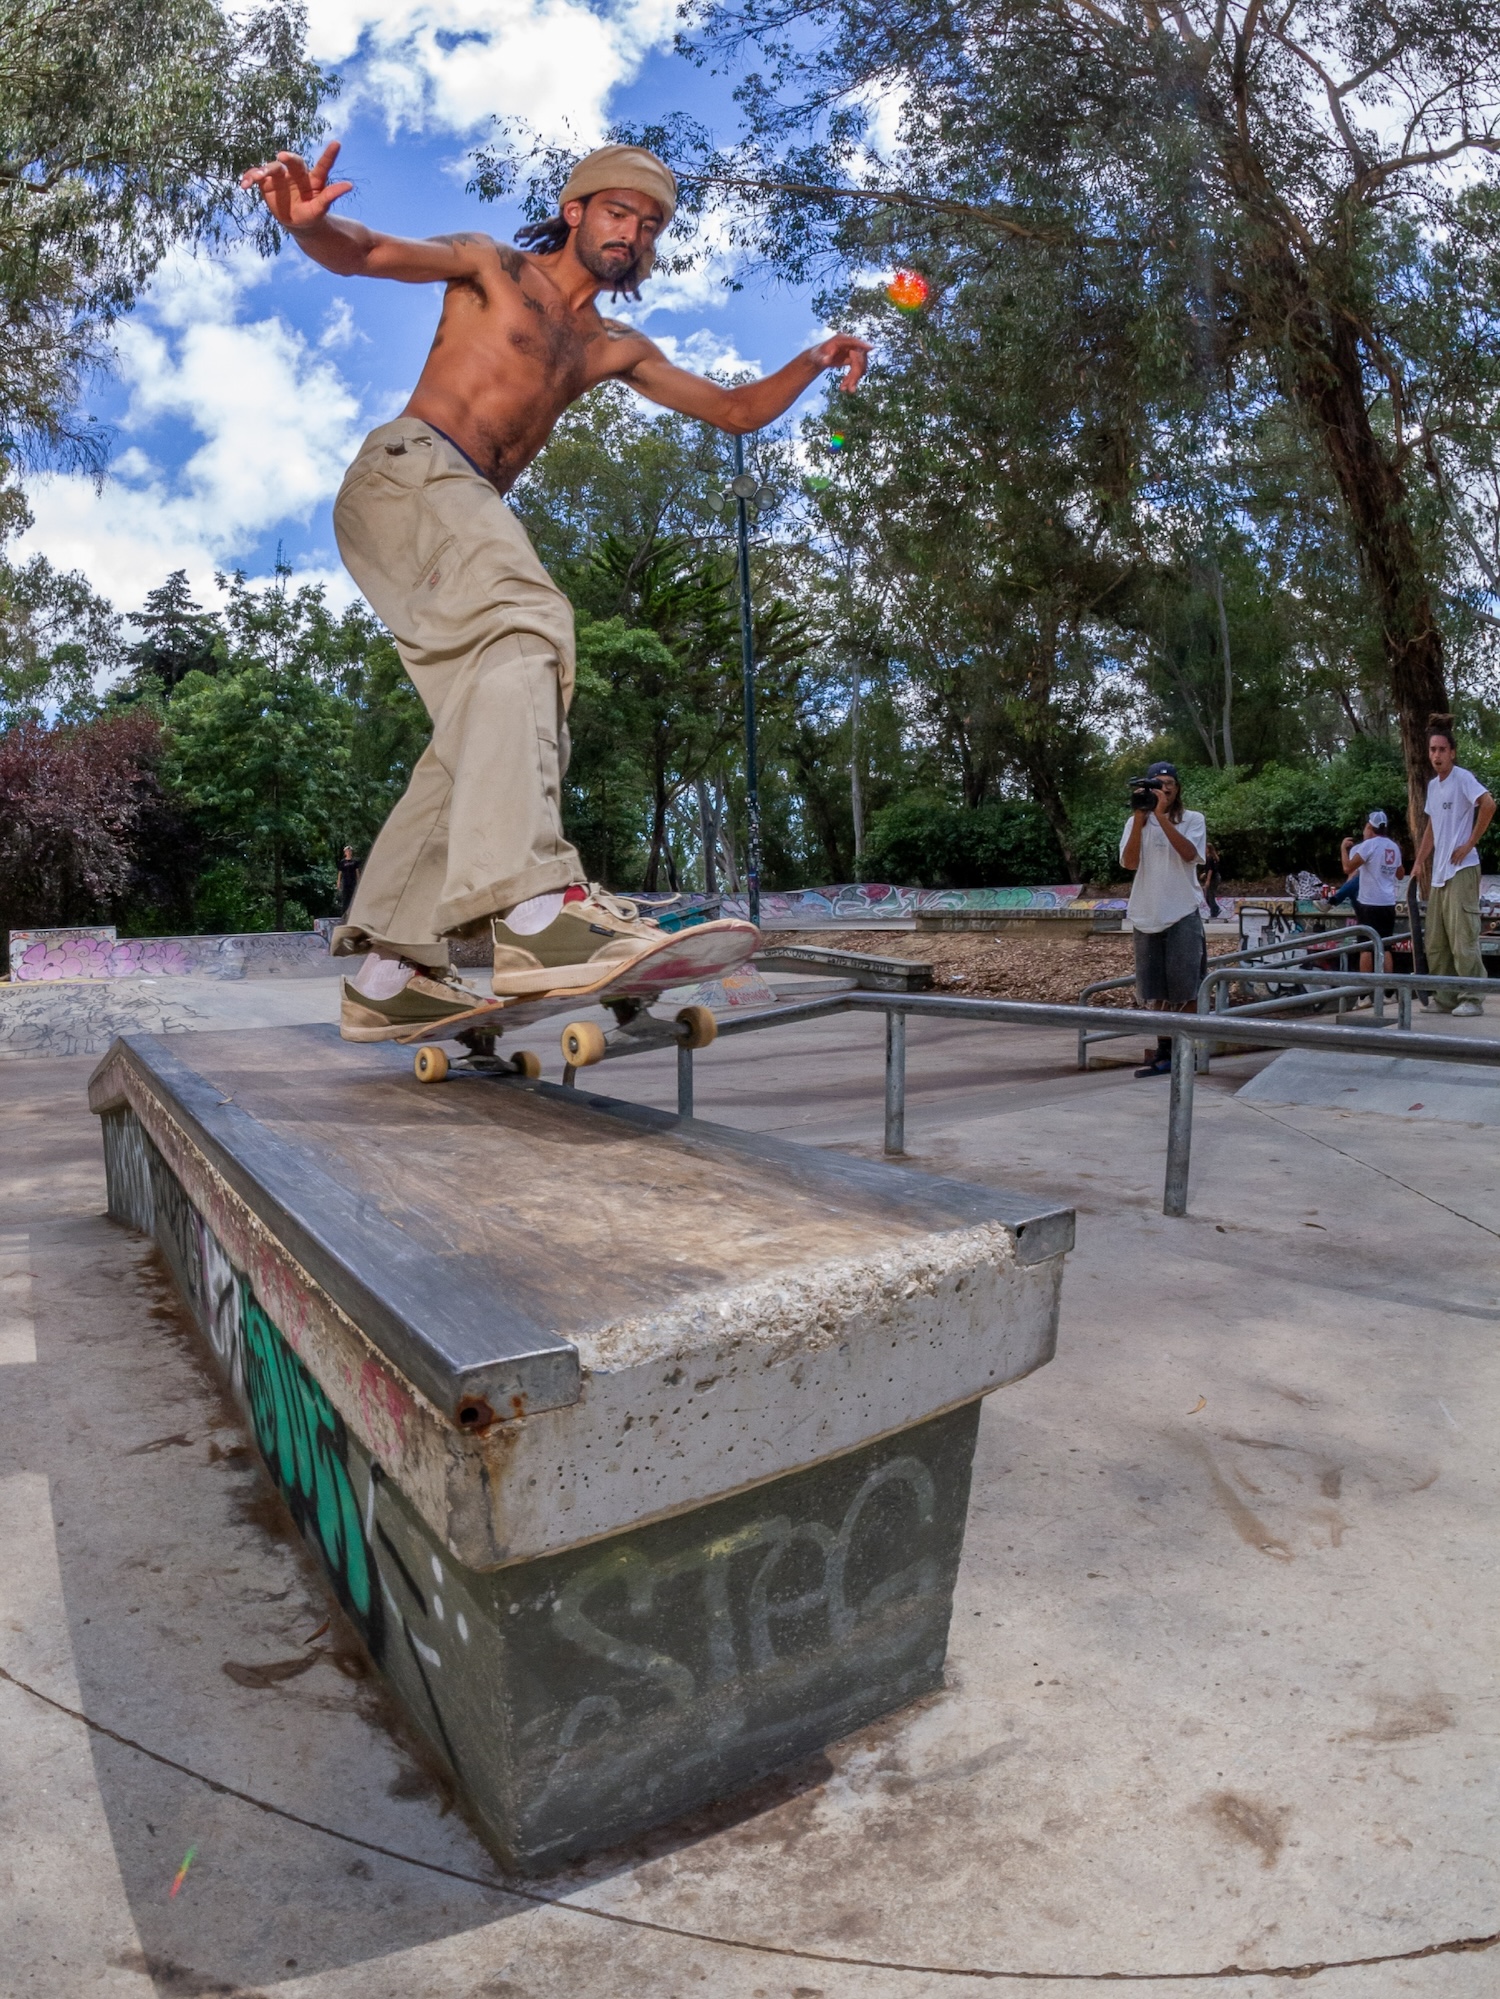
(582, 1043)
(698, 1026)
(526, 1062)
(431, 1065)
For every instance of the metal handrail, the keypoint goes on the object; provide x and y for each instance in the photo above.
(1186, 1030)
(1330, 943)
(1341, 985)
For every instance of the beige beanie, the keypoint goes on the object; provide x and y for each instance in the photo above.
(625, 166)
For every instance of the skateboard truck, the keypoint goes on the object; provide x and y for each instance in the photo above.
(432, 1063)
(584, 1042)
(636, 1029)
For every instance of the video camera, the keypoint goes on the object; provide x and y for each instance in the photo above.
(1143, 792)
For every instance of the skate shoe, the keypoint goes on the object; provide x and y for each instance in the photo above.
(424, 1001)
(590, 931)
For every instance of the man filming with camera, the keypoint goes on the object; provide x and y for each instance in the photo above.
(1163, 846)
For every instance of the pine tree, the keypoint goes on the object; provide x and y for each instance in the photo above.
(180, 638)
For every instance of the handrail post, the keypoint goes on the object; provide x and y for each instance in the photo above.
(1179, 1126)
(684, 1080)
(1403, 1007)
(895, 1082)
(1208, 995)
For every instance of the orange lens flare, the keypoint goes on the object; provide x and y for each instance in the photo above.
(908, 291)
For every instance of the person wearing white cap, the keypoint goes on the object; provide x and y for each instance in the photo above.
(487, 637)
(1375, 867)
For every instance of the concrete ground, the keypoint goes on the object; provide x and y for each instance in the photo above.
(1223, 1686)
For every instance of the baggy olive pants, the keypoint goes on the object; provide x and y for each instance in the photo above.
(1453, 936)
(487, 638)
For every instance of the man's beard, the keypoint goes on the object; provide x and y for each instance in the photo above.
(600, 264)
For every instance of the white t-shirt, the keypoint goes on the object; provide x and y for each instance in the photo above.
(1165, 888)
(1379, 864)
(1450, 807)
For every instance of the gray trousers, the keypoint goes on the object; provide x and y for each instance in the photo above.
(1171, 964)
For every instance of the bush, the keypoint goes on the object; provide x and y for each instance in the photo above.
(72, 801)
(1277, 821)
(1283, 820)
(949, 846)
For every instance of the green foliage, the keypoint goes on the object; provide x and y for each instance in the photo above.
(1281, 819)
(944, 846)
(57, 637)
(180, 638)
(608, 791)
(259, 753)
(124, 127)
(1258, 258)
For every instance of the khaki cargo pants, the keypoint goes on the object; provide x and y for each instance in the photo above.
(487, 638)
(1453, 936)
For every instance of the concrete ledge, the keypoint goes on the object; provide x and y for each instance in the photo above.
(717, 1518)
(603, 1331)
(866, 971)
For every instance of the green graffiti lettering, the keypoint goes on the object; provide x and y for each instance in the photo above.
(303, 1440)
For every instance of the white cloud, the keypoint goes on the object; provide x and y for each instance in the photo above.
(696, 290)
(275, 423)
(706, 352)
(339, 329)
(453, 64)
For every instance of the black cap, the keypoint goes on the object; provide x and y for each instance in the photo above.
(1163, 770)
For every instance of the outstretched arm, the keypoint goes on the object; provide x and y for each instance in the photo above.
(754, 404)
(300, 197)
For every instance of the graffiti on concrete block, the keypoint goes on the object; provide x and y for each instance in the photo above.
(219, 1309)
(712, 1623)
(305, 1443)
(127, 1170)
(728, 1652)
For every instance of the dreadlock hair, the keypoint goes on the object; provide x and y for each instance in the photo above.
(544, 237)
(547, 237)
(1442, 725)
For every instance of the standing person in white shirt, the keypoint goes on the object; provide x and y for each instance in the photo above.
(1459, 811)
(1376, 865)
(1163, 846)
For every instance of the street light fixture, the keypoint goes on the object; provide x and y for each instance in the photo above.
(747, 488)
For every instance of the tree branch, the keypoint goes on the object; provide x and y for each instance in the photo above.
(1335, 96)
(898, 198)
(1433, 157)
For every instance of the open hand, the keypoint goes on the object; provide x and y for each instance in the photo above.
(296, 194)
(846, 351)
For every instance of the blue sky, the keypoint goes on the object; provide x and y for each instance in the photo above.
(243, 385)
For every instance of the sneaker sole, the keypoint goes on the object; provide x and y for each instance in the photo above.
(365, 1024)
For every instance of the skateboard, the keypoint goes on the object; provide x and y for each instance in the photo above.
(684, 958)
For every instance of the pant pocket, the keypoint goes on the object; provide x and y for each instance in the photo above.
(393, 545)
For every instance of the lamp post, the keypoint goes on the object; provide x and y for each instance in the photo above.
(745, 488)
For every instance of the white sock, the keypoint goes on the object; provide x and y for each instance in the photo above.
(534, 914)
(381, 978)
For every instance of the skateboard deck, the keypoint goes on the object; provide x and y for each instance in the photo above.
(683, 958)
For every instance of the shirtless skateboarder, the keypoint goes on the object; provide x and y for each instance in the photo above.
(485, 634)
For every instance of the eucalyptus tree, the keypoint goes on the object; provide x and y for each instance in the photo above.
(1299, 202)
(124, 126)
